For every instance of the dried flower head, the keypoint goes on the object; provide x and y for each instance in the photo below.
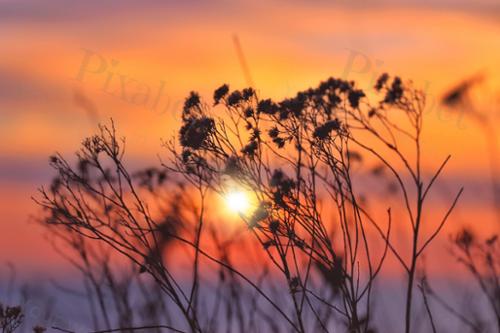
(248, 93)
(274, 226)
(274, 132)
(381, 81)
(250, 148)
(220, 93)
(354, 97)
(249, 112)
(395, 92)
(195, 132)
(323, 131)
(267, 106)
(234, 98)
(464, 239)
(193, 100)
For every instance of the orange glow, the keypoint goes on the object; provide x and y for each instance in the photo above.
(287, 48)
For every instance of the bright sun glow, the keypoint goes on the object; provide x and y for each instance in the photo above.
(238, 202)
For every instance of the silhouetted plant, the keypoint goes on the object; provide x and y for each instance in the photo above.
(461, 98)
(11, 317)
(313, 138)
(482, 259)
(301, 159)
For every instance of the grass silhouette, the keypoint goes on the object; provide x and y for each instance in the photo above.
(321, 245)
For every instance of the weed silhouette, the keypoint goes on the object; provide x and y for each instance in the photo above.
(320, 248)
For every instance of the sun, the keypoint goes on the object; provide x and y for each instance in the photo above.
(237, 202)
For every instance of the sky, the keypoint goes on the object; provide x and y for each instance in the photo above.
(64, 67)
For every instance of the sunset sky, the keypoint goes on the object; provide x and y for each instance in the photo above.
(62, 67)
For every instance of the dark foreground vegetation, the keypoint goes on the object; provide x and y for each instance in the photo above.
(328, 170)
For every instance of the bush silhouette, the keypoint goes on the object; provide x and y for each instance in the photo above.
(315, 164)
